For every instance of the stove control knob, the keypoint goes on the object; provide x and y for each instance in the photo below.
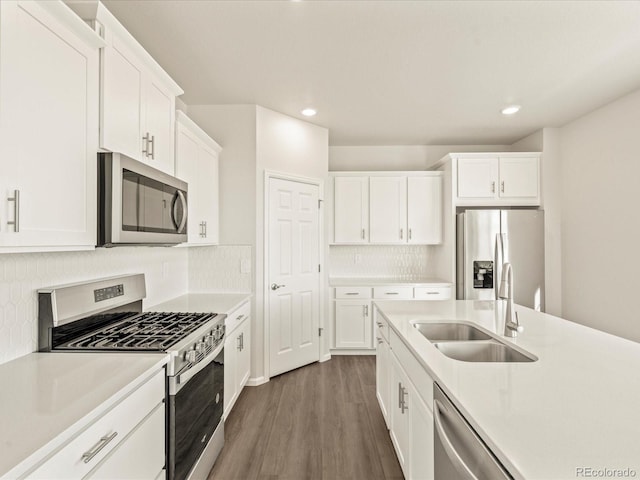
(210, 339)
(201, 347)
(191, 356)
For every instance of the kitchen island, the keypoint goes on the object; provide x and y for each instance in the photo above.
(574, 410)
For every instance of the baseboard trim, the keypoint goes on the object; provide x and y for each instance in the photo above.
(325, 357)
(254, 382)
(353, 352)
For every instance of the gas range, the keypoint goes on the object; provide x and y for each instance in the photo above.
(106, 316)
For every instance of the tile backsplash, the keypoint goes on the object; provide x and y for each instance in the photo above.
(220, 269)
(402, 262)
(21, 275)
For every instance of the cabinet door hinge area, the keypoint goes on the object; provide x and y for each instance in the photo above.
(320, 329)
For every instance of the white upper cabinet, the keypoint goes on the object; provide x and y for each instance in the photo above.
(49, 63)
(351, 209)
(197, 164)
(497, 179)
(477, 177)
(137, 97)
(388, 208)
(424, 210)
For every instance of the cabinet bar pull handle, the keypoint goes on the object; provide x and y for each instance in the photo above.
(502, 186)
(404, 402)
(432, 293)
(493, 187)
(399, 395)
(363, 234)
(391, 293)
(409, 234)
(366, 310)
(103, 442)
(153, 147)
(16, 210)
(205, 229)
(401, 233)
(379, 324)
(379, 339)
(239, 344)
(239, 317)
(351, 293)
(145, 149)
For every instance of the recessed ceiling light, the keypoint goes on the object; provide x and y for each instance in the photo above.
(510, 110)
(309, 112)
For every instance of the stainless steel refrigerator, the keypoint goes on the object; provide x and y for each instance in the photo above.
(488, 238)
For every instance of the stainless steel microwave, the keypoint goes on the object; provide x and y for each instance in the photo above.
(139, 205)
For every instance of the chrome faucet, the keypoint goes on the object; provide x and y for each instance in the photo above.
(511, 324)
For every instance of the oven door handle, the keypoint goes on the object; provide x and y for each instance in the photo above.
(178, 381)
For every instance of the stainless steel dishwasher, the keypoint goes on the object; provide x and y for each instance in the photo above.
(459, 452)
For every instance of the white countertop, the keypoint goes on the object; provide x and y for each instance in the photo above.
(577, 406)
(46, 398)
(203, 303)
(375, 281)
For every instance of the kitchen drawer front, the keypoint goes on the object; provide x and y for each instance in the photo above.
(235, 318)
(393, 293)
(432, 293)
(120, 420)
(141, 455)
(353, 292)
(415, 371)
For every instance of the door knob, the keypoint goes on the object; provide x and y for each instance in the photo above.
(275, 286)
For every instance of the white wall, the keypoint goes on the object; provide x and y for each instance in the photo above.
(21, 275)
(397, 157)
(547, 141)
(600, 219)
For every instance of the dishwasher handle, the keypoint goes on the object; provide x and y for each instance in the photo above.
(450, 450)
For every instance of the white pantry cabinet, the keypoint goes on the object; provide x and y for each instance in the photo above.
(237, 354)
(497, 179)
(126, 442)
(197, 164)
(137, 97)
(387, 208)
(49, 61)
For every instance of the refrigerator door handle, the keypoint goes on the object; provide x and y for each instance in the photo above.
(499, 260)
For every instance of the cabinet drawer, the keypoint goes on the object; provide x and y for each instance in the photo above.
(432, 293)
(236, 317)
(140, 455)
(415, 371)
(116, 424)
(353, 292)
(393, 293)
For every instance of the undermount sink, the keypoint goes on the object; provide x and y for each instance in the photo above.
(450, 332)
(483, 351)
(467, 343)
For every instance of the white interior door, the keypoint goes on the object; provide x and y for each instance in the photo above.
(294, 280)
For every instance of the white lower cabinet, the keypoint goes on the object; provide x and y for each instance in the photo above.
(237, 355)
(401, 391)
(126, 442)
(353, 324)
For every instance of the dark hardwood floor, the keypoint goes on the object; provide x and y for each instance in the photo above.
(321, 421)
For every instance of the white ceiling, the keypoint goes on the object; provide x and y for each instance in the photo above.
(398, 72)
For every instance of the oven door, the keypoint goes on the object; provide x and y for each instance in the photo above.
(195, 410)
